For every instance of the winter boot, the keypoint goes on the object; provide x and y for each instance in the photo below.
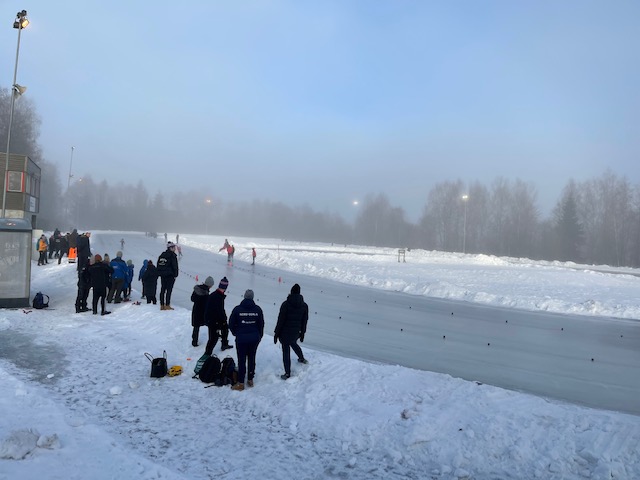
(238, 386)
(285, 376)
(250, 383)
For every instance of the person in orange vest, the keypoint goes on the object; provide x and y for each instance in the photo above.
(42, 249)
(253, 256)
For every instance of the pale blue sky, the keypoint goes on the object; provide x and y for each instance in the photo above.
(323, 102)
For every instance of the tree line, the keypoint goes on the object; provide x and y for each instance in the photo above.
(595, 221)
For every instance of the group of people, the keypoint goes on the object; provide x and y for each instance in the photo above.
(246, 324)
(59, 245)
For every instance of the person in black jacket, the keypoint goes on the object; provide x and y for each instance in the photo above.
(292, 324)
(150, 282)
(84, 285)
(199, 298)
(99, 272)
(247, 325)
(216, 318)
(84, 250)
(168, 272)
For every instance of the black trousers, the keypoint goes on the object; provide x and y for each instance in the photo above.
(286, 354)
(246, 360)
(166, 287)
(98, 295)
(214, 336)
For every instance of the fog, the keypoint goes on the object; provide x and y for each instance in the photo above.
(322, 104)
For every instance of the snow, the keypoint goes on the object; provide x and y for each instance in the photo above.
(78, 401)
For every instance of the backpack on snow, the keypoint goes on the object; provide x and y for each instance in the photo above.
(38, 301)
(210, 370)
(199, 363)
(228, 372)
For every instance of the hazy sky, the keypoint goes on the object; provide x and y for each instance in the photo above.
(323, 102)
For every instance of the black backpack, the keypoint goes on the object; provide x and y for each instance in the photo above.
(228, 372)
(210, 371)
(38, 301)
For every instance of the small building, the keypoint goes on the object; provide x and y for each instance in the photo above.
(20, 207)
(22, 191)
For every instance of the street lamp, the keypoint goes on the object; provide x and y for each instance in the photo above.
(206, 217)
(70, 164)
(16, 90)
(465, 198)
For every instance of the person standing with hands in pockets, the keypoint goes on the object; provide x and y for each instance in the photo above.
(292, 324)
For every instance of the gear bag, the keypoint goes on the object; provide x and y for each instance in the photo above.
(158, 365)
(210, 371)
(39, 301)
(228, 372)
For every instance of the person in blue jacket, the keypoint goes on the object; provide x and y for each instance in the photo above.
(247, 325)
(141, 274)
(117, 278)
(128, 280)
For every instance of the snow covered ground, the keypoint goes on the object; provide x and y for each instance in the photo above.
(78, 402)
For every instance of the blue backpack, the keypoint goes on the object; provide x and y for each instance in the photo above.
(39, 302)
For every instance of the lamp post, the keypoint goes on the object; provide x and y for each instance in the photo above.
(206, 217)
(70, 164)
(16, 90)
(465, 198)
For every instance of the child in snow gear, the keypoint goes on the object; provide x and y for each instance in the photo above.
(150, 282)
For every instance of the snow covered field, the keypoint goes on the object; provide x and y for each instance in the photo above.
(78, 402)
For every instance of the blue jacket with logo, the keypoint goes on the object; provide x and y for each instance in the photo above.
(247, 322)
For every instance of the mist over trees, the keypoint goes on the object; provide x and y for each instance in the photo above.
(595, 221)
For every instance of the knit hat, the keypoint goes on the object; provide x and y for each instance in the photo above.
(119, 254)
(129, 262)
(209, 282)
(97, 258)
(170, 244)
(295, 289)
(248, 294)
(224, 283)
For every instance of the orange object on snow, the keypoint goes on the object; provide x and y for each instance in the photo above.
(73, 255)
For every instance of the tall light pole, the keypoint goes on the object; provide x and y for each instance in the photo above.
(206, 217)
(70, 164)
(465, 199)
(16, 90)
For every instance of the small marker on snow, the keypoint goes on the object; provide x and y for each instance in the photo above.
(592, 359)
(401, 330)
(340, 318)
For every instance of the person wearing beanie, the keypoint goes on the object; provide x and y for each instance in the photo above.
(118, 278)
(128, 280)
(247, 325)
(199, 298)
(168, 272)
(99, 274)
(291, 326)
(216, 318)
(150, 282)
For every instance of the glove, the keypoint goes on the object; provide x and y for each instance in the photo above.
(301, 337)
(275, 339)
